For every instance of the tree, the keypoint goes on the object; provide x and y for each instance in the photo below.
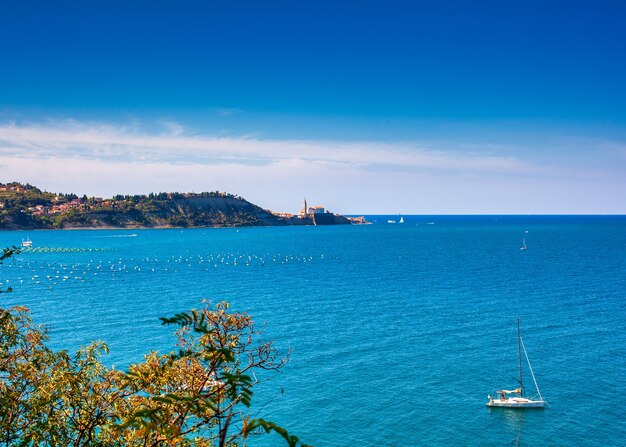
(7, 253)
(197, 396)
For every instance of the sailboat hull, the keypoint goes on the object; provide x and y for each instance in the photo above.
(516, 402)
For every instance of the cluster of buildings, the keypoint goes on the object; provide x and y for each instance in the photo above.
(39, 210)
(61, 205)
(305, 212)
(16, 188)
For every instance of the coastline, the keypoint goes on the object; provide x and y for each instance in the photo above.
(26, 207)
(351, 221)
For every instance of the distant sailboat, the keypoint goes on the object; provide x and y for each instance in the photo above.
(523, 247)
(518, 401)
(27, 242)
(401, 220)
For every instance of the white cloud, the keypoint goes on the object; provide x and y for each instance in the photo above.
(367, 176)
(125, 144)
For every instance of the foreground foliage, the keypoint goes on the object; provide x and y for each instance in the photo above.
(198, 396)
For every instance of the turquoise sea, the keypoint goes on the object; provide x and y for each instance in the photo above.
(398, 332)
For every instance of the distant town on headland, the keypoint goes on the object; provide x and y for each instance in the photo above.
(23, 206)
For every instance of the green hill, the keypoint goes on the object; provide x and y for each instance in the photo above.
(27, 207)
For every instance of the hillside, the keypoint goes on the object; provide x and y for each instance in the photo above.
(27, 207)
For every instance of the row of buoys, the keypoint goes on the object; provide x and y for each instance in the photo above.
(51, 272)
(80, 271)
(61, 250)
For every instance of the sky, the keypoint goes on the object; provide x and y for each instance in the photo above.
(365, 107)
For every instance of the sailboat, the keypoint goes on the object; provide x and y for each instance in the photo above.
(523, 247)
(401, 219)
(517, 399)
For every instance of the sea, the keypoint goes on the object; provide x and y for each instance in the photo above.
(396, 332)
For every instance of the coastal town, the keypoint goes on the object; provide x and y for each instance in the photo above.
(23, 206)
(60, 203)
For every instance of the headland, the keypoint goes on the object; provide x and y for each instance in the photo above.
(26, 207)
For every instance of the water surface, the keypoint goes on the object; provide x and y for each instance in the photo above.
(398, 331)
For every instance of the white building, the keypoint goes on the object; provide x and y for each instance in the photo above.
(317, 210)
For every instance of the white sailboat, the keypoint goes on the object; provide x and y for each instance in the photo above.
(523, 247)
(401, 219)
(517, 399)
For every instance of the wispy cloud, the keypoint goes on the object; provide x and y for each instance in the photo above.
(350, 176)
(71, 139)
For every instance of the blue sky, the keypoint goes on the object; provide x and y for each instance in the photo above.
(365, 107)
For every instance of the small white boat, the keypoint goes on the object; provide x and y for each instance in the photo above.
(518, 400)
(391, 221)
(523, 247)
(27, 243)
(401, 220)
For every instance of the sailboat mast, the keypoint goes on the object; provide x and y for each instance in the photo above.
(519, 357)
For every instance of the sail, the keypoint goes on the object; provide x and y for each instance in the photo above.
(515, 391)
